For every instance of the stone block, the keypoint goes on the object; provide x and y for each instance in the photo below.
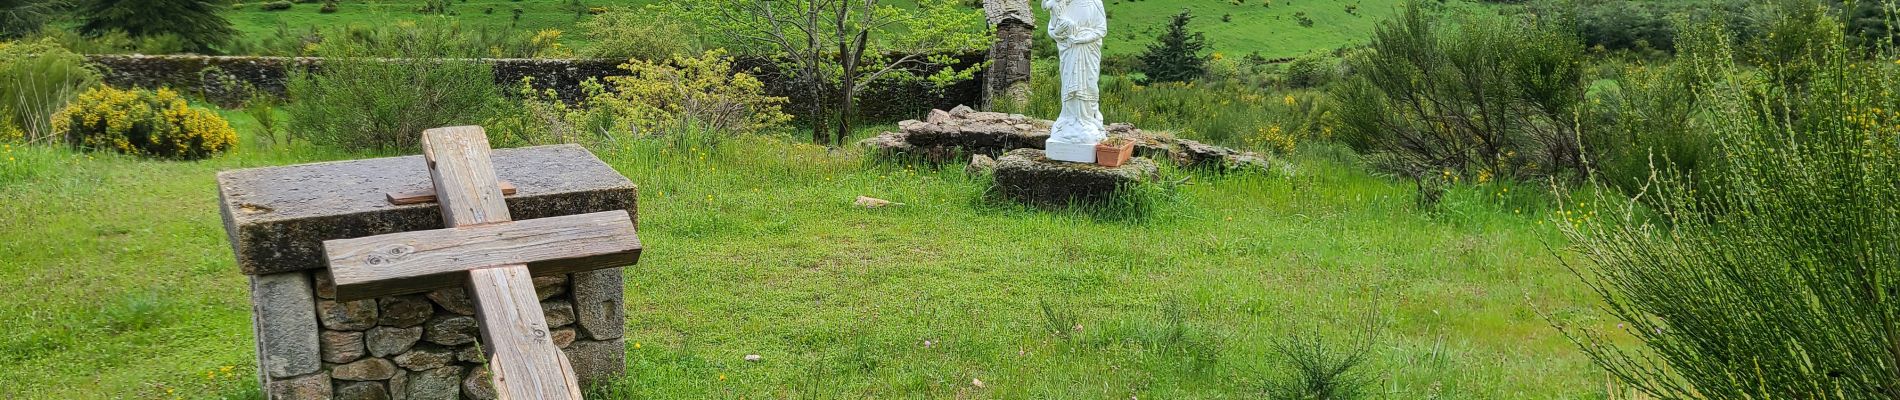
(454, 299)
(368, 369)
(558, 313)
(347, 390)
(426, 357)
(278, 217)
(599, 303)
(478, 385)
(284, 317)
(307, 387)
(451, 330)
(405, 311)
(546, 287)
(385, 341)
(597, 361)
(347, 316)
(437, 384)
(1026, 176)
(341, 347)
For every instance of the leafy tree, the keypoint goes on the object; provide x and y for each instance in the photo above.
(836, 48)
(197, 22)
(1176, 55)
(24, 17)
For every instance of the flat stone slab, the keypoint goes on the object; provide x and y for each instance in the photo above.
(278, 217)
(1028, 176)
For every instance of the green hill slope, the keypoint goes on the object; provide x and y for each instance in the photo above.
(1234, 29)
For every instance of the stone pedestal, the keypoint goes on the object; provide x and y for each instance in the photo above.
(1070, 152)
(416, 345)
(1028, 176)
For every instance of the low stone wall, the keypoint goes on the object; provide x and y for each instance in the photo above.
(229, 80)
(421, 346)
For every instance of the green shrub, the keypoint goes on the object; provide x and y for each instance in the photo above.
(661, 98)
(1648, 119)
(1491, 98)
(1778, 279)
(1311, 71)
(37, 80)
(623, 33)
(144, 123)
(381, 92)
(275, 6)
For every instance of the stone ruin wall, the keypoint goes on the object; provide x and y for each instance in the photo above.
(419, 346)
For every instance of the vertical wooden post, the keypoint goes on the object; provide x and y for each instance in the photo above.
(521, 352)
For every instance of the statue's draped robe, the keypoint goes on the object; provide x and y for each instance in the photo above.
(1078, 27)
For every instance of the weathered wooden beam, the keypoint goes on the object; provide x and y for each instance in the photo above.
(420, 196)
(420, 261)
(521, 352)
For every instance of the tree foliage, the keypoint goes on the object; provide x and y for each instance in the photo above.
(1177, 55)
(24, 17)
(197, 22)
(1494, 97)
(836, 48)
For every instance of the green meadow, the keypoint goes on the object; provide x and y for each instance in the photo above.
(1232, 29)
(124, 286)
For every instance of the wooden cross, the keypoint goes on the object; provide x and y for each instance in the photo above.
(495, 257)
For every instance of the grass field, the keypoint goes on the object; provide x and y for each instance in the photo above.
(123, 285)
(1250, 27)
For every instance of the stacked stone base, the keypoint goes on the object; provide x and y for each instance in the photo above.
(949, 136)
(1030, 177)
(420, 346)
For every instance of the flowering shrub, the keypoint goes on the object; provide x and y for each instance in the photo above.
(142, 122)
(700, 92)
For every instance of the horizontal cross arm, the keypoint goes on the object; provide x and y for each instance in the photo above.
(413, 262)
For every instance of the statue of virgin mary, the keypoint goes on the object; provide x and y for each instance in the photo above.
(1078, 26)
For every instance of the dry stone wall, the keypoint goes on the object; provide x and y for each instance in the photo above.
(418, 346)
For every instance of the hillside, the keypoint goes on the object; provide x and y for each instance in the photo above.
(1234, 29)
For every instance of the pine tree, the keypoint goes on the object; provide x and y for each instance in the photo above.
(195, 21)
(1176, 55)
(23, 17)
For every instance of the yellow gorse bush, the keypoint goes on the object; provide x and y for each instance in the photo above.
(142, 122)
(701, 91)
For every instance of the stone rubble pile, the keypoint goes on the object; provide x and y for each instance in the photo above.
(946, 136)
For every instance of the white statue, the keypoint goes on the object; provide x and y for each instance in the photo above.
(1078, 27)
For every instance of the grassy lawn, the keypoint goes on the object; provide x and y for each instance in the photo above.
(123, 285)
(1250, 27)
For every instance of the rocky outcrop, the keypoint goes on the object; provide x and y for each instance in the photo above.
(1029, 177)
(950, 136)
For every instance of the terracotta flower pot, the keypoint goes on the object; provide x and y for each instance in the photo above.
(1114, 155)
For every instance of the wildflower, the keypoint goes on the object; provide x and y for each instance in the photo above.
(636, 345)
(722, 377)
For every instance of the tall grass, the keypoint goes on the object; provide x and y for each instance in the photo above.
(1781, 280)
(37, 80)
(1218, 112)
